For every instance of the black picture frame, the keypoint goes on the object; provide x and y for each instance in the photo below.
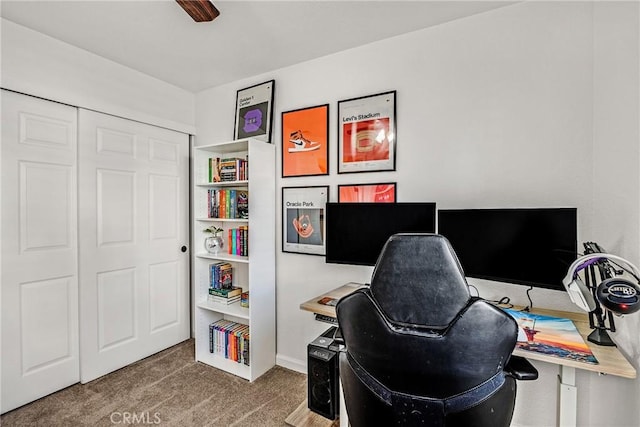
(304, 219)
(367, 133)
(254, 112)
(305, 141)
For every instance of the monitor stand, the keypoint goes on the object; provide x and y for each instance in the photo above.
(601, 337)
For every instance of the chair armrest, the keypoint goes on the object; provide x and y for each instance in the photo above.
(338, 339)
(521, 369)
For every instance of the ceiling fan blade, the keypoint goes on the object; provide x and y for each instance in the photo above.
(200, 10)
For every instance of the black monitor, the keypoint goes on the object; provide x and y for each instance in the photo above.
(356, 232)
(522, 246)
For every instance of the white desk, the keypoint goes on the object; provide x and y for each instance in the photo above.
(611, 361)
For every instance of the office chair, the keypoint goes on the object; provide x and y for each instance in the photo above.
(419, 350)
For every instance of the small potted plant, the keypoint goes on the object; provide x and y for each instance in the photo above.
(214, 242)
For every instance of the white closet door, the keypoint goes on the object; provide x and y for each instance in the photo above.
(39, 249)
(134, 278)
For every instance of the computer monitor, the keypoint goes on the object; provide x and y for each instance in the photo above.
(356, 232)
(522, 246)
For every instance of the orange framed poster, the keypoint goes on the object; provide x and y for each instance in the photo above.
(367, 193)
(305, 141)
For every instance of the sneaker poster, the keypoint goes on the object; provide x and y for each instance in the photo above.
(305, 141)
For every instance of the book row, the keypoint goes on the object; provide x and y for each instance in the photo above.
(227, 203)
(238, 239)
(229, 340)
(228, 169)
(221, 275)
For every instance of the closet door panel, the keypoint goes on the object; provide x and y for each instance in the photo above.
(134, 286)
(39, 282)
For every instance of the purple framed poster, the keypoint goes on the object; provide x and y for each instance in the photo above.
(254, 112)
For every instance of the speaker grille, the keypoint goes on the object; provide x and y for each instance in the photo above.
(322, 381)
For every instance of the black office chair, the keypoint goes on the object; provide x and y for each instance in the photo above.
(420, 351)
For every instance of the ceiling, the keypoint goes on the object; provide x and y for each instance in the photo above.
(158, 38)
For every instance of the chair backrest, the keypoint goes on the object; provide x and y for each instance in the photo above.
(417, 330)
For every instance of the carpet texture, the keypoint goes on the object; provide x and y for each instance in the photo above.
(169, 389)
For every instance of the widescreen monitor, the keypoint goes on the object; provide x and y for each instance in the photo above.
(523, 246)
(356, 232)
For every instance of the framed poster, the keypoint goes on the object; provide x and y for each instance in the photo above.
(372, 193)
(254, 112)
(305, 141)
(303, 219)
(367, 133)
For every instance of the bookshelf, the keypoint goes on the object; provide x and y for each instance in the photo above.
(255, 272)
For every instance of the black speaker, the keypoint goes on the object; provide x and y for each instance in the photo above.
(322, 378)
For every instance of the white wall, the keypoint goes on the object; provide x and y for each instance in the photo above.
(511, 108)
(39, 65)
(616, 156)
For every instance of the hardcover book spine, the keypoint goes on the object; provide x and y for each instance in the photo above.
(245, 240)
(234, 232)
(232, 204)
(216, 208)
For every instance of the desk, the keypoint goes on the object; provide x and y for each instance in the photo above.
(611, 361)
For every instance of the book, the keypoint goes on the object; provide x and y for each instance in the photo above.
(226, 276)
(244, 299)
(222, 300)
(222, 212)
(232, 203)
(242, 204)
(245, 240)
(233, 241)
(328, 301)
(553, 336)
(214, 169)
(226, 293)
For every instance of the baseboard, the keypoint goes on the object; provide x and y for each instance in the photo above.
(291, 363)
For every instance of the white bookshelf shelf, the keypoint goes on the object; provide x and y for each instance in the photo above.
(224, 184)
(223, 257)
(237, 220)
(234, 309)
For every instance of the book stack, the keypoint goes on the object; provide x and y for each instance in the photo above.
(229, 340)
(227, 203)
(225, 296)
(220, 275)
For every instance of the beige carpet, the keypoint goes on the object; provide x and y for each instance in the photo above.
(169, 389)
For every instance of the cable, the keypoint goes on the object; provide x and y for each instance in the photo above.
(530, 306)
(504, 301)
(625, 269)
